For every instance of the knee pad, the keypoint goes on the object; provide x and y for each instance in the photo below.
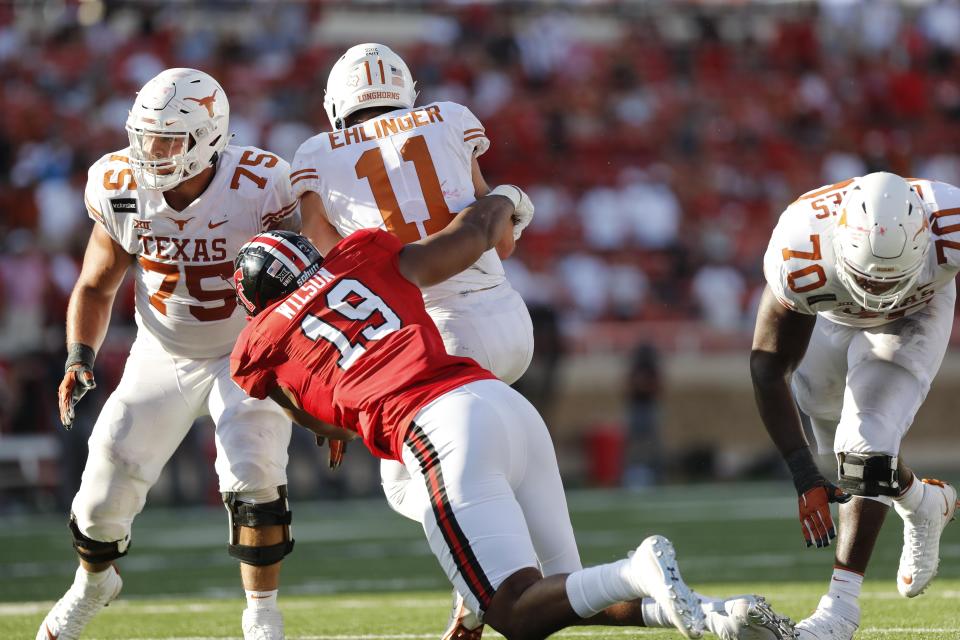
(95, 551)
(869, 474)
(245, 514)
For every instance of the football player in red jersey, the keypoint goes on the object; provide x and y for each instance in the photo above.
(345, 340)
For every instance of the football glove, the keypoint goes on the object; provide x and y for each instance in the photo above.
(523, 206)
(814, 495)
(77, 380)
(337, 449)
(816, 523)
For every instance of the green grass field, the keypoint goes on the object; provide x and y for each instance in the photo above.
(359, 571)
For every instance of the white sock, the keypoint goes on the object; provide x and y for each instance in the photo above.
(911, 498)
(262, 599)
(593, 589)
(653, 614)
(845, 586)
(91, 578)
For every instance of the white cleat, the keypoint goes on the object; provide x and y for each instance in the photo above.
(747, 618)
(832, 620)
(654, 565)
(920, 557)
(463, 623)
(78, 606)
(262, 624)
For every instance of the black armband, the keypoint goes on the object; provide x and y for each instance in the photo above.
(79, 353)
(805, 473)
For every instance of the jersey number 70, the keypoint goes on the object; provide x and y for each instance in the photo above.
(819, 277)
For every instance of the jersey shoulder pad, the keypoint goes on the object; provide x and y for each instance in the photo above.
(943, 202)
(464, 125)
(111, 189)
(253, 171)
(307, 162)
(798, 263)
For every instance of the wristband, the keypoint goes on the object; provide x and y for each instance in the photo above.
(508, 191)
(79, 353)
(805, 473)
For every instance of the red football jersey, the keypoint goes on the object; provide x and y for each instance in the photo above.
(354, 344)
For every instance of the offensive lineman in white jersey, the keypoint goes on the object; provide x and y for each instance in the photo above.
(409, 171)
(858, 307)
(177, 204)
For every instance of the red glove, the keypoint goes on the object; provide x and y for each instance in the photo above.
(815, 519)
(337, 449)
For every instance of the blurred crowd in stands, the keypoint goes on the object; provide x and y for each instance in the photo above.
(659, 140)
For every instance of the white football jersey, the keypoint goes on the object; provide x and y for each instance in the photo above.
(184, 271)
(800, 264)
(408, 172)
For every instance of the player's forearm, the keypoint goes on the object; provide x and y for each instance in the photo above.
(775, 402)
(487, 221)
(88, 316)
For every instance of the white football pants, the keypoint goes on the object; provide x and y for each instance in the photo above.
(146, 418)
(862, 387)
(493, 502)
(493, 327)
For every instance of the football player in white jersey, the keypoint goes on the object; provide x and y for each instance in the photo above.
(175, 205)
(852, 328)
(410, 170)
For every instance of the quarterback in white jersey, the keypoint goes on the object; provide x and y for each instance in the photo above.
(176, 204)
(852, 329)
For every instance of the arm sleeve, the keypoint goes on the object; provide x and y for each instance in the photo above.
(251, 366)
(474, 136)
(304, 175)
(280, 205)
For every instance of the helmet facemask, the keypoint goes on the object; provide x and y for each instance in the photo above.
(881, 241)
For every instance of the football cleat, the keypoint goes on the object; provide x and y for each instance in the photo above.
(262, 624)
(78, 606)
(833, 620)
(655, 569)
(920, 557)
(463, 623)
(747, 618)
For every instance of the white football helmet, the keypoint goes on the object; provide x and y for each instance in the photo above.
(176, 127)
(367, 75)
(881, 240)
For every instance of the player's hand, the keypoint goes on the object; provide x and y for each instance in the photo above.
(522, 206)
(77, 380)
(815, 519)
(337, 449)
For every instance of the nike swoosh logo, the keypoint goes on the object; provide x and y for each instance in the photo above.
(50, 636)
(839, 580)
(213, 225)
(946, 505)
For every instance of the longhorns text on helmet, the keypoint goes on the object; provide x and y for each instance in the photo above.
(367, 75)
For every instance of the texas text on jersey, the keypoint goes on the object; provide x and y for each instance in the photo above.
(183, 278)
(800, 263)
(408, 171)
(358, 349)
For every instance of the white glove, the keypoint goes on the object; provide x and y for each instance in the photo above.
(522, 205)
